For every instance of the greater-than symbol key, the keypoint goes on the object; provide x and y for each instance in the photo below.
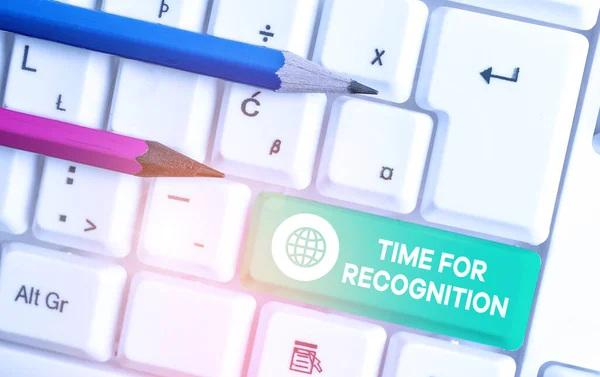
(91, 227)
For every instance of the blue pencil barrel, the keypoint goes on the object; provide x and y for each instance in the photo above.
(144, 41)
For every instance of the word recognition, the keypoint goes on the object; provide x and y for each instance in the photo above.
(431, 291)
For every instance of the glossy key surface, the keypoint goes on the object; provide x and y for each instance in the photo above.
(391, 270)
(505, 93)
(60, 302)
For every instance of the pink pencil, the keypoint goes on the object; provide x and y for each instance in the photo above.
(96, 148)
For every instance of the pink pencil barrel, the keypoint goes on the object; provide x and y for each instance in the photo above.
(70, 142)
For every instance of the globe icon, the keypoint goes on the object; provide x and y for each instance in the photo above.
(305, 247)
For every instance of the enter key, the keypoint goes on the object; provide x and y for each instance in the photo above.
(391, 270)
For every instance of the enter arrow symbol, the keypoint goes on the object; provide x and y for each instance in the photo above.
(92, 226)
(488, 75)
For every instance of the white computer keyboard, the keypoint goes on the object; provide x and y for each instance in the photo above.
(484, 127)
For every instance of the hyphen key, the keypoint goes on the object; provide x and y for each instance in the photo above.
(390, 270)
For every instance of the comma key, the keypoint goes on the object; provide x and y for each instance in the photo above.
(58, 301)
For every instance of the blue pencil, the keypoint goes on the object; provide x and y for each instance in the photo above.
(153, 43)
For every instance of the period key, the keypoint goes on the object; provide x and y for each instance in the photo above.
(390, 270)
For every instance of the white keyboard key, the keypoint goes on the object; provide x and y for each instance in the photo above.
(560, 371)
(59, 82)
(283, 25)
(269, 136)
(150, 102)
(87, 208)
(564, 325)
(292, 341)
(18, 172)
(20, 361)
(176, 326)
(59, 301)
(420, 356)
(387, 158)
(504, 129)
(172, 107)
(378, 45)
(579, 14)
(194, 226)
(182, 14)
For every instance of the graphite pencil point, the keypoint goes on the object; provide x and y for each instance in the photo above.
(357, 88)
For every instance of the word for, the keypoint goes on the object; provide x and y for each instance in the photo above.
(378, 56)
(31, 297)
(422, 258)
(247, 102)
(266, 33)
(276, 147)
(386, 173)
(418, 289)
(164, 8)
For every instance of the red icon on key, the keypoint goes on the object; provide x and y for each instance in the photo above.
(304, 358)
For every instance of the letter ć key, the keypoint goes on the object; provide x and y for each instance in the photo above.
(386, 269)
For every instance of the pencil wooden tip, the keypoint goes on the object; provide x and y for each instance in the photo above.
(161, 161)
(357, 88)
(206, 171)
